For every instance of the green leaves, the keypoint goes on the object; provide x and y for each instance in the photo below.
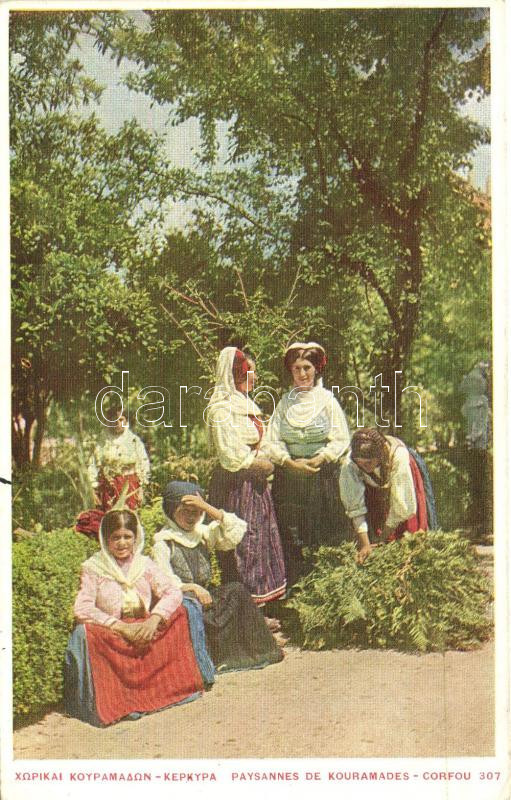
(84, 205)
(45, 578)
(339, 161)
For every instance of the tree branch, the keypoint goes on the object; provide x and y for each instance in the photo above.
(178, 325)
(291, 296)
(369, 183)
(314, 132)
(196, 192)
(410, 154)
(245, 298)
(198, 301)
(368, 275)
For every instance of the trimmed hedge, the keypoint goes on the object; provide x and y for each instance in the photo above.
(45, 579)
(425, 592)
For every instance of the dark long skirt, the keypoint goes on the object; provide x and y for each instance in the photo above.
(237, 635)
(309, 513)
(258, 560)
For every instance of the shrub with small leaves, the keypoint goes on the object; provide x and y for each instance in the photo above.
(425, 592)
(45, 580)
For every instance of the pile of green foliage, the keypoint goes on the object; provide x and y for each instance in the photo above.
(45, 579)
(425, 592)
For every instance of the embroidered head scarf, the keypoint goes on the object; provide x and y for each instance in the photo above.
(107, 566)
(240, 367)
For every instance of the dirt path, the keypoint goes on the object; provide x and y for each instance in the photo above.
(345, 703)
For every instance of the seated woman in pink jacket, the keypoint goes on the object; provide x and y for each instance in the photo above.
(131, 652)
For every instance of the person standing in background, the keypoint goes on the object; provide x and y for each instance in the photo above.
(476, 410)
(119, 458)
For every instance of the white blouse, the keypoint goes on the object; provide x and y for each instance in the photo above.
(234, 437)
(403, 502)
(217, 535)
(330, 417)
(118, 455)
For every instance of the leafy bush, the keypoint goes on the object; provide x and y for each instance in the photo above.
(452, 491)
(152, 519)
(44, 499)
(45, 580)
(425, 592)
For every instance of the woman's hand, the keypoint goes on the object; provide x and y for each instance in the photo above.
(301, 465)
(138, 634)
(147, 629)
(128, 630)
(262, 466)
(316, 461)
(198, 502)
(363, 552)
(364, 547)
(202, 594)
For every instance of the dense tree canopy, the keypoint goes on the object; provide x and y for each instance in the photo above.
(344, 135)
(327, 201)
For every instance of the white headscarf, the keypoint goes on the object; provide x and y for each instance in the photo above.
(225, 394)
(174, 533)
(105, 565)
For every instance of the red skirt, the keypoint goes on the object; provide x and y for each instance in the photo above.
(417, 522)
(109, 490)
(126, 681)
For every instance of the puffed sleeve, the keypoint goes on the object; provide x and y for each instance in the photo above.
(160, 555)
(339, 433)
(170, 596)
(231, 451)
(85, 608)
(403, 503)
(272, 446)
(352, 490)
(225, 534)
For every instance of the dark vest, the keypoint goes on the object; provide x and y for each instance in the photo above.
(191, 564)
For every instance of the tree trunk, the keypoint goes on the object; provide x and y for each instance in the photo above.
(21, 439)
(41, 413)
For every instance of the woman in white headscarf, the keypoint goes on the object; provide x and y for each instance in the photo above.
(131, 651)
(307, 436)
(239, 484)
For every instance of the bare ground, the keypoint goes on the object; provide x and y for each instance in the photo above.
(345, 703)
